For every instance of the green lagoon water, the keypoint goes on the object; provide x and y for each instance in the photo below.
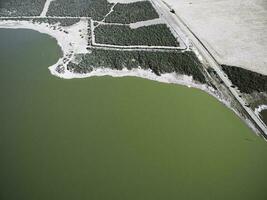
(116, 138)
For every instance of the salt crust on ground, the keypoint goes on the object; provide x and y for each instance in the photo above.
(233, 30)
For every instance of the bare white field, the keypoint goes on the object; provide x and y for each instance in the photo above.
(235, 31)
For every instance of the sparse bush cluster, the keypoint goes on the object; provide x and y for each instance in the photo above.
(132, 12)
(246, 81)
(62, 22)
(185, 63)
(15, 8)
(154, 35)
(96, 9)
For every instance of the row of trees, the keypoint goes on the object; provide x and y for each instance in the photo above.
(185, 63)
(154, 35)
(132, 12)
(16, 8)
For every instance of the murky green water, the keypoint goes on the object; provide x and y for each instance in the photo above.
(116, 138)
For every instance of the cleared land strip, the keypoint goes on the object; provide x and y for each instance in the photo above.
(111, 10)
(46, 7)
(212, 61)
(141, 48)
(135, 24)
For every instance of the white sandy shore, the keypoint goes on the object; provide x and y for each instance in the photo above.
(136, 72)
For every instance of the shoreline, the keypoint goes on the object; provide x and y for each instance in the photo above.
(68, 38)
(79, 45)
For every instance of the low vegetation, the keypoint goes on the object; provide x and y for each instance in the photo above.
(246, 81)
(96, 9)
(132, 12)
(154, 35)
(16, 8)
(185, 63)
